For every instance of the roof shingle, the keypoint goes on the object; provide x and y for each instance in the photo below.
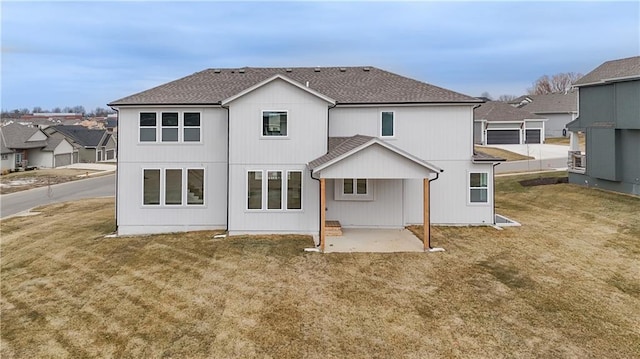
(351, 85)
(502, 111)
(610, 70)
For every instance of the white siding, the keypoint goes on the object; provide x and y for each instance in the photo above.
(10, 163)
(210, 154)
(306, 139)
(427, 132)
(385, 211)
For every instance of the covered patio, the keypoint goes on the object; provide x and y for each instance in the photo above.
(364, 157)
(370, 240)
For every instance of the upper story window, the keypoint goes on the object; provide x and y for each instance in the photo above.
(148, 127)
(191, 127)
(478, 187)
(387, 124)
(169, 127)
(172, 127)
(274, 123)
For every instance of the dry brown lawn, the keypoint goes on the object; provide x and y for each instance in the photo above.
(565, 141)
(500, 153)
(564, 285)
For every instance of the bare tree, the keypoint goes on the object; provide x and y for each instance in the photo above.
(557, 83)
(507, 98)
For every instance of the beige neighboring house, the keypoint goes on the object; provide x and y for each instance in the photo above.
(498, 123)
(26, 147)
(93, 145)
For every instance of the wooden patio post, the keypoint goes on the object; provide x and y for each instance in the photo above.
(426, 220)
(322, 213)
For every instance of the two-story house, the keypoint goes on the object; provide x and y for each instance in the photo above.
(609, 116)
(282, 150)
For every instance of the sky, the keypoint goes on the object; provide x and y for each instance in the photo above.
(58, 54)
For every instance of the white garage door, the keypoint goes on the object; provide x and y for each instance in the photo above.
(62, 160)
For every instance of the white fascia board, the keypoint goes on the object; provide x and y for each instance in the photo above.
(385, 145)
(283, 78)
(613, 79)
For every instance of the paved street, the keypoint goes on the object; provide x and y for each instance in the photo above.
(17, 202)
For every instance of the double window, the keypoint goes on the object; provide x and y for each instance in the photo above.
(172, 126)
(274, 190)
(274, 123)
(173, 186)
(478, 187)
(353, 189)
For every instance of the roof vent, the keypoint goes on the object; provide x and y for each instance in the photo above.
(317, 69)
(343, 69)
(288, 69)
(241, 71)
(366, 68)
(217, 71)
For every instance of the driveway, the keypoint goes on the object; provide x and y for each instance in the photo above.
(538, 151)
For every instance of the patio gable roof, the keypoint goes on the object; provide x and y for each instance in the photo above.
(369, 157)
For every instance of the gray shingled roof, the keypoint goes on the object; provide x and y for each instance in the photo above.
(338, 146)
(553, 103)
(629, 67)
(502, 111)
(353, 85)
(81, 135)
(16, 136)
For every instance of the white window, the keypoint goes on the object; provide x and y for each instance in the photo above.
(148, 127)
(274, 123)
(171, 186)
(172, 127)
(270, 189)
(478, 187)
(353, 189)
(151, 187)
(191, 121)
(387, 124)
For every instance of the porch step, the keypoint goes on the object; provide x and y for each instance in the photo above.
(332, 228)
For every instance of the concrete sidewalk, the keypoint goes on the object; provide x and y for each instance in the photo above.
(538, 151)
(105, 166)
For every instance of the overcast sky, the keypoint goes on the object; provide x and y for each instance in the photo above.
(90, 53)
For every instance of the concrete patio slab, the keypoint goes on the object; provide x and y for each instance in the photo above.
(367, 240)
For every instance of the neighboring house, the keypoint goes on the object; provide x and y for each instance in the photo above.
(31, 147)
(283, 150)
(93, 145)
(498, 123)
(558, 108)
(609, 115)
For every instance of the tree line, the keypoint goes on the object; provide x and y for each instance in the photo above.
(545, 84)
(97, 112)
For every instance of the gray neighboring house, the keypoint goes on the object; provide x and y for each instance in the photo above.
(93, 145)
(24, 146)
(609, 115)
(498, 123)
(558, 108)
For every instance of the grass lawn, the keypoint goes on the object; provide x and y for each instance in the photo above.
(500, 153)
(23, 180)
(564, 285)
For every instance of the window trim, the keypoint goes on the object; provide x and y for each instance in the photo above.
(339, 194)
(469, 188)
(272, 137)
(393, 118)
(184, 177)
(159, 127)
(264, 185)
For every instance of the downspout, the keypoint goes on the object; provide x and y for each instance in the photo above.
(319, 206)
(228, 165)
(431, 180)
(117, 165)
(493, 185)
